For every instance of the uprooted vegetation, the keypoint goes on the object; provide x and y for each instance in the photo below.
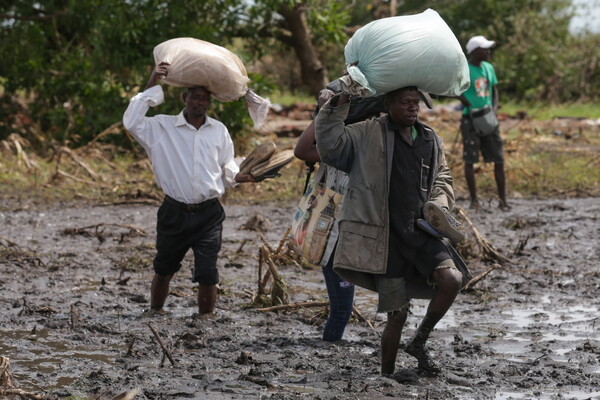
(555, 158)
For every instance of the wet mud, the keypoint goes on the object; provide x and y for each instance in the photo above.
(74, 291)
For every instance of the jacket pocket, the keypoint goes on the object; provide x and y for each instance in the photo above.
(424, 176)
(358, 248)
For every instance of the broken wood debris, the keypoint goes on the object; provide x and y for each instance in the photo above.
(98, 231)
(479, 277)
(7, 384)
(162, 345)
(257, 223)
(486, 250)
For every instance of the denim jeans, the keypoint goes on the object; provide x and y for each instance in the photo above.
(341, 297)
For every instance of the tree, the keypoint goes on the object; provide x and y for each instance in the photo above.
(305, 26)
(78, 61)
(536, 56)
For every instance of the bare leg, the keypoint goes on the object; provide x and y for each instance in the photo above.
(159, 291)
(501, 184)
(471, 184)
(449, 281)
(207, 298)
(390, 340)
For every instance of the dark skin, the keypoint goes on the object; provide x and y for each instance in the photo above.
(403, 110)
(475, 58)
(197, 101)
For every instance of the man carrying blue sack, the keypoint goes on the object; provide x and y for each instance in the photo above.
(397, 172)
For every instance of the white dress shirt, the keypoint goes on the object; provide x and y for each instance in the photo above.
(190, 165)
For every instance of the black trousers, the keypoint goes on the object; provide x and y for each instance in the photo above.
(181, 227)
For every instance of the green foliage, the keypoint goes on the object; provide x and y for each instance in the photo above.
(536, 57)
(69, 67)
(543, 112)
(81, 60)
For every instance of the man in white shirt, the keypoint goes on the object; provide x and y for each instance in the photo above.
(192, 158)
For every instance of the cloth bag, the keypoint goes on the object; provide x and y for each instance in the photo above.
(195, 62)
(484, 120)
(415, 50)
(314, 218)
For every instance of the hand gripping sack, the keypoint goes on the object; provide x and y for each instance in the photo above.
(415, 50)
(195, 62)
(314, 218)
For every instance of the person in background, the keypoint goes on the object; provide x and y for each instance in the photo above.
(192, 158)
(482, 92)
(339, 291)
(396, 167)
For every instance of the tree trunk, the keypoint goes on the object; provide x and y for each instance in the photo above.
(313, 72)
(393, 8)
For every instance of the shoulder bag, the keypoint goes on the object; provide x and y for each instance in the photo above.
(484, 120)
(314, 218)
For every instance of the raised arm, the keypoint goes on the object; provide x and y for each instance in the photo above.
(306, 147)
(134, 119)
(334, 144)
(159, 72)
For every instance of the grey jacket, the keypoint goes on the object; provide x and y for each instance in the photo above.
(365, 151)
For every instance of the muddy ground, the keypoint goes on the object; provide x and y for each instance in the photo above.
(73, 321)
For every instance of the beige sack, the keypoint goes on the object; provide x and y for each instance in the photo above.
(195, 62)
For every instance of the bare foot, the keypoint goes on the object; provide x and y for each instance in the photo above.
(474, 205)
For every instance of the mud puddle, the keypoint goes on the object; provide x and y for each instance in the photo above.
(72, 317)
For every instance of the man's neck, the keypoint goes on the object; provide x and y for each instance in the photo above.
(406, 133)
(475, 61)
(197, 122)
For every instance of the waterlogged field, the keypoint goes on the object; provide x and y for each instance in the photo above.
(73, 301)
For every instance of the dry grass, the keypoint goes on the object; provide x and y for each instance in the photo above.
(555, 158)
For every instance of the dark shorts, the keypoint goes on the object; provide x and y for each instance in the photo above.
(179, 228)
(490, 146)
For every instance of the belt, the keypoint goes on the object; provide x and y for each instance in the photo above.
(191, 207)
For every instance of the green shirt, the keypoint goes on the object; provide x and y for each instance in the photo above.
(483, 80)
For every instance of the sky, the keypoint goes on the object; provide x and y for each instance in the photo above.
(588, 16)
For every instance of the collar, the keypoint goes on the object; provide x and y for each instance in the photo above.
(181, 121)
(424, 131)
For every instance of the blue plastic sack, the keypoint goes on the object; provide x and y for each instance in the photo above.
(415, 50)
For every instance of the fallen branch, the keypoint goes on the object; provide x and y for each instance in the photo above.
(84, 230)
(60, 172)
(21, 393)
(479, 277)
(293, 306)
(131, 202)
(9, 242)
(162, 345)
(362, 318)
(279, 288)
(7, 387)
(114, 128)
(488, 252)
(76, 160)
